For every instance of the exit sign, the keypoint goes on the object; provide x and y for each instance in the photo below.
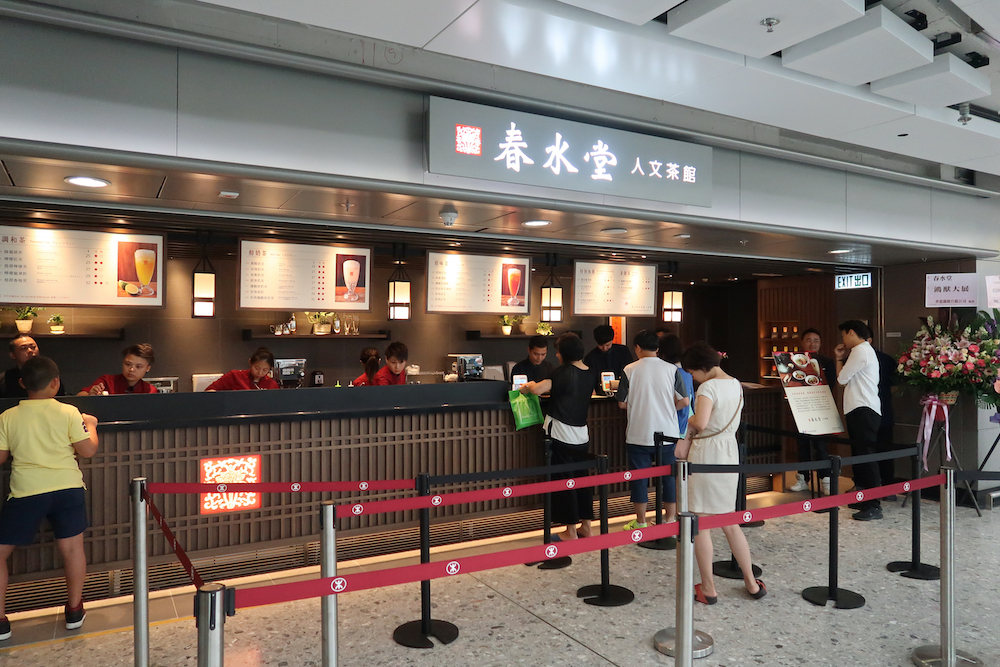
(853, 281)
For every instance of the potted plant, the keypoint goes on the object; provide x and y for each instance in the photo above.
(507, 323)
(544, 329)
(56, 324)
(320, 321)
(24, 316)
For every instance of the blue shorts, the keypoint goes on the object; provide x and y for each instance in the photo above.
(640, 456)
(20, 518)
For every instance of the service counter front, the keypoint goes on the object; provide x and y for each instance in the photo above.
(321, 434)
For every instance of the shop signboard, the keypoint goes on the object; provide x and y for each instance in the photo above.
(65, 267)
(951, 290)
(614, 289)
(808, 392)
(478, 141)
(462, 283)
(294, 276)
(229, 470)
(852, 281)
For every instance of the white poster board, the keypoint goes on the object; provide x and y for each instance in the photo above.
(951, 290)
(459, 283)
(809, 396)
(295, 276)
(993, 291)
(614, 289)
(63, 267)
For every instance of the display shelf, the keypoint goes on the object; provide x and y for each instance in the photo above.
(250, 334)
(475, 335)
(108, 334)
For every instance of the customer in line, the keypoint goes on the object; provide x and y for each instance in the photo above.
(811, 343)
(137, 360)
(711, 439)
(257, 376)
(887, 423)
(670, 350)
(857, 371)
(569, 389)
(535, 367)
(370, 359)
(652, 392)
(22, 348)
(394, 371)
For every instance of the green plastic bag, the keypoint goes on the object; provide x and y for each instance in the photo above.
(527, 409)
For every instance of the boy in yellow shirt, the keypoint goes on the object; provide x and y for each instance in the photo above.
(44, 436)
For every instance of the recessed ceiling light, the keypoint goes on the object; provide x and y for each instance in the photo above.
(643, 256)
(691, 283)
(614, 254)
(455, 244)
(767, 275)
(228, 194)
(839, 251)
(815, 270)
(682, 236)
(87, 181)
(536, 223)
(614, 230)
(506, 248)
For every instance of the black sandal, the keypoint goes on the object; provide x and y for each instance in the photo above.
(760, 593)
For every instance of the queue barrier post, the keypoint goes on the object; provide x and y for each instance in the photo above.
(947, 654)
(417, 634)
(820, 595)
(562, 561)
(913, 568)
(730, 569)
(328, 568)
(140, 574)
(210, 619)
(683, 642)
(605, 594)
(661, 543)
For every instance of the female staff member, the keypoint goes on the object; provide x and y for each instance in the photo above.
(569, 387)
(369, 360)
(138, 360)
(394, 371)
(257, 376)
(711, 439)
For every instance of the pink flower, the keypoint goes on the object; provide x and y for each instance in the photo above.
(923, 362)
(935, 374)
(969, 365)
(980, 362)
(973, 348)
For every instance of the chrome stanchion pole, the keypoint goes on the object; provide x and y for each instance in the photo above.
(210, 619)
(328, 568)
(140, 575)
(683, 642)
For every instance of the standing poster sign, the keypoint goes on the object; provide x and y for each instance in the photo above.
(949, 290)
(993, 291)
(809, 395)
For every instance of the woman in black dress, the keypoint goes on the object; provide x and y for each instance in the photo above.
(569, 389)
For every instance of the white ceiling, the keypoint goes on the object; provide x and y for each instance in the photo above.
(728, 70)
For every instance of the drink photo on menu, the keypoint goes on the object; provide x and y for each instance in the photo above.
(512, 285)
(351, 286)
(137, 269)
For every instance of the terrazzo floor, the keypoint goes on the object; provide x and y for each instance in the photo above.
(524, 616)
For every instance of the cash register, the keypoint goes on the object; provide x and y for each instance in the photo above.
(467, 366)
(289, 373)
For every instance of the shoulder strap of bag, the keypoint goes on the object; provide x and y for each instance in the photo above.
(739, 408)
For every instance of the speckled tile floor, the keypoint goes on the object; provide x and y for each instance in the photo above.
(525, 616)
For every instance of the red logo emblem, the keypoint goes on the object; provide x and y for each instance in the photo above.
(806, 506)
(507, 492)
(296, 487)
(363, 486)
(221, 488)
(357, 509)
(551, 551)
(436, 500)
(570, 483)
(468, 140)
(906, 486)
(637, 536)
(453, 567)
(628, 475)
(747, 517)
(860, 496)
(338, 585)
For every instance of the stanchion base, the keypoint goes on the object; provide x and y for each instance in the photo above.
(752, 524)
(820, 595)
(930, 656)
(556, 563)
(662, 544)
(665, 641)
(412, 635)
(614, 596)
(727, 569)
(923, 571)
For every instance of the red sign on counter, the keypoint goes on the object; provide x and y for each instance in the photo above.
(229, 470)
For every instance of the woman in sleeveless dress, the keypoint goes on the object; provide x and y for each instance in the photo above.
(711, 439)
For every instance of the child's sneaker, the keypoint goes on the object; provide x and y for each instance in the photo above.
(800, 484)
(4, 629)
(633, 524)
(75, 617)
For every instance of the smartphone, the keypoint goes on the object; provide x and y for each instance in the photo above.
(607, 377)
(519, 381)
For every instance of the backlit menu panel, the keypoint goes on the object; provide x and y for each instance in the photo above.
(477, 284)
(75, 268)
(608, 289)
(294, 276)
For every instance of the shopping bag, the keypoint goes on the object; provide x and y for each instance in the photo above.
(527, 409)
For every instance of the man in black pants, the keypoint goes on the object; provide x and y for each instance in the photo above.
(886, 378)
(859, 375)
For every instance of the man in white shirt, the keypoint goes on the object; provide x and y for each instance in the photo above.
(859, 375)
(652, 391)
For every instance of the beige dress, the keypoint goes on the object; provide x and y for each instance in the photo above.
(715, 493)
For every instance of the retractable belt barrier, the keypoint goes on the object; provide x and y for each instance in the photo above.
(283, 487)
(172, 541)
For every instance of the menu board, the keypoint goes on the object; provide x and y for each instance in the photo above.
(809, 396)
(614, 289)
(294, 276)
(74, 268)
(477, 284)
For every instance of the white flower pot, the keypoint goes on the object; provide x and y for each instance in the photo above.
(506, 330)
(57, 328)
(24, 326)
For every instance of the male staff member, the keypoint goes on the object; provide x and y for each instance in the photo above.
(859, 375)
(535, 367)
(22, 348)
(608, 355)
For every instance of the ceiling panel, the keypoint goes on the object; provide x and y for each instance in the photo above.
(512, 223)
(568, 43)
(49, 174)
(948, 80)
(205, 189)
(735, 25)
(411, 22)
(984, 12)
(879, 45)
(429, 211)
(636, 12)
(346, 203)
(4, 179)
(765, 92)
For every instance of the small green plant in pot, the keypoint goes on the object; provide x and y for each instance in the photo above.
(507, 322)
(24, 317)
(544, 329)
(56, 325)
(321, 321)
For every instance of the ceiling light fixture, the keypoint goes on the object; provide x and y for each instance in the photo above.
(203, 281)
(448, 215)
(87, 181)
(228, 194)
(839, 251)
(614, 230)
(673, 306)
(682, 236)
(769, 23)
(963, 113)
(536, 223)
(399, 286)
(552, 290)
